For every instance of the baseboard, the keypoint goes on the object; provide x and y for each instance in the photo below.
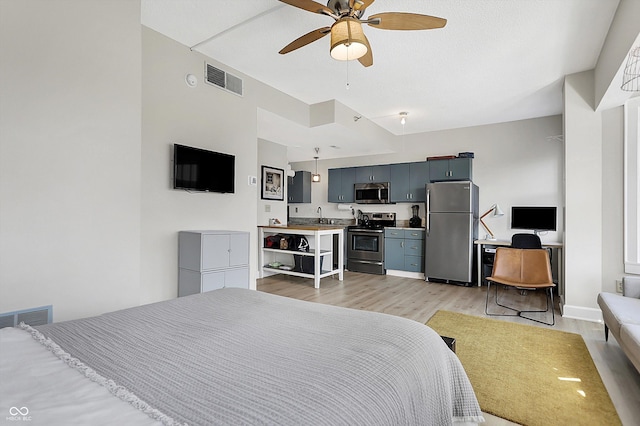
(405, 274)
(582, 313)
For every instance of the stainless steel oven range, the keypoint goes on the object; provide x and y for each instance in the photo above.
(365, 242)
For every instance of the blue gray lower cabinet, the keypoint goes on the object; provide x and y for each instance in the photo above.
(404, 249)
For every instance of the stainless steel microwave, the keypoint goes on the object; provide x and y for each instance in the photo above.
(372, 193)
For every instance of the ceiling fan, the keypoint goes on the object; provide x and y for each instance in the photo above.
(347, 38)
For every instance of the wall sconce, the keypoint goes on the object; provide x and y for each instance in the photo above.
(497, 211)
(315, 177)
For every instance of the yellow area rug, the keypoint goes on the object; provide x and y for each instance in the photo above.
(526, 374)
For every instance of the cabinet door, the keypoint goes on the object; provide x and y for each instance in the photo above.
(292, 190)
(215, 251)
(414, 234)
(460, 169)
(372, 174)
(381, 173)
(400, 178)
(413, 247)
(414, 264)
(363, 174)
(212, 280)
(237, 278)
(335, 185)
(239, 249)
(438, 170)
(419, 177)
(299, 187)
(394, 253)
(347, 182)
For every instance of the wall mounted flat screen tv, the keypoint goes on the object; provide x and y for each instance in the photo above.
(198, 169)
(533, 218)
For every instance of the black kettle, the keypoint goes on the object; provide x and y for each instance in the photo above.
(415, 221)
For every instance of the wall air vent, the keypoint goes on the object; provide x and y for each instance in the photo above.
(33, 317)
(222, 79)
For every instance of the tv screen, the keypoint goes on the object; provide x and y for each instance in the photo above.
(534, 218)
(202, 170)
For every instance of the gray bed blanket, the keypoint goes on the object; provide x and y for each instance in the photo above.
(234, 357)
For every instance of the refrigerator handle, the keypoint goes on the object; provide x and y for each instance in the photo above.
(427, 211)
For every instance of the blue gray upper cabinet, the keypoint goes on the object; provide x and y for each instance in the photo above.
(340, 184)
(450, 169)
(368, 174)
(299, 187)
(408, 181)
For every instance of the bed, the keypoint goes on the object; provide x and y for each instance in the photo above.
(233, 357)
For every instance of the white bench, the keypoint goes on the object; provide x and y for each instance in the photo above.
(621, 314)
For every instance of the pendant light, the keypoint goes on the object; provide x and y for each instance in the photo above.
(631, 75)
(315, 177)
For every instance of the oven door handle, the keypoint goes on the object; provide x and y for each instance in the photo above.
(368, 232)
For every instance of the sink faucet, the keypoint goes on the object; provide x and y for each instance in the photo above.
(319, 210)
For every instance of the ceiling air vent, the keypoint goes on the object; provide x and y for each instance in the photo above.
(224, 80)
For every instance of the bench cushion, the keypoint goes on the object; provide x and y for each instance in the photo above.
(630, 342)
(618, 309)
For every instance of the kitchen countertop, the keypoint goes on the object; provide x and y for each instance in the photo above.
(305, 227)
(405, 227)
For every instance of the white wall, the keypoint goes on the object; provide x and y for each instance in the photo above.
(612, 198)
(273, 155)
(207, 117)
(69, 156)
(516, 163)
(583, 197)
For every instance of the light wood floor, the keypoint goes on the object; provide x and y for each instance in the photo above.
(419, 300)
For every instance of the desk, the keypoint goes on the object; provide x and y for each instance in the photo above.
(504, 243)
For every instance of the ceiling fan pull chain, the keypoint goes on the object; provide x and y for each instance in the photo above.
(347, 74)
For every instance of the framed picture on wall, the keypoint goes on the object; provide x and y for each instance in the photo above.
(272, 183)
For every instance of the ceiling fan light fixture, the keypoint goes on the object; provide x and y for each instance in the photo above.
(348, 41)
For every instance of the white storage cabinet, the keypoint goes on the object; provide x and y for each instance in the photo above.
(209, 260)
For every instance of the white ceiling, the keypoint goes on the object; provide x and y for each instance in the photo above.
(495, 60)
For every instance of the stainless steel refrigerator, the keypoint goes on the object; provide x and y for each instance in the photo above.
(451, 228)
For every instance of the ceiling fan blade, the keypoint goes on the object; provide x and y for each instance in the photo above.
(361, 4)
(367, 59)
(310, 37)
(405, 21)
(310, 6)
